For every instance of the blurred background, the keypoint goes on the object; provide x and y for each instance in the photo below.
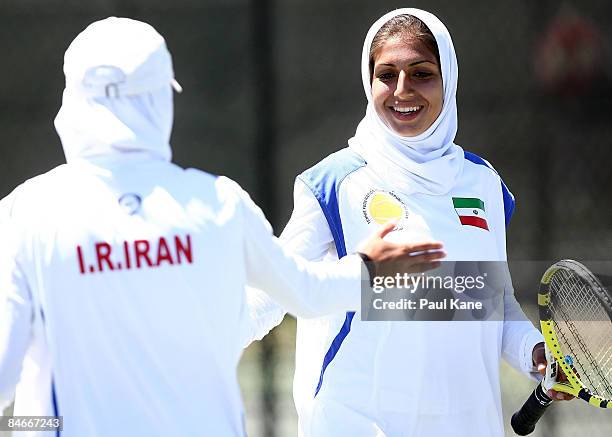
(273, 86)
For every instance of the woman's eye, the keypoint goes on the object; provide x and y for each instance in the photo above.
(422, 74)
(385, 76)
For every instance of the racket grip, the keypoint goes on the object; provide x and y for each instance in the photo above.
(524, 420)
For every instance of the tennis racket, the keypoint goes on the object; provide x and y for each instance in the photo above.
(576, 321)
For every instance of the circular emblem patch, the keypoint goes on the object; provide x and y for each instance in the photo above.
(130, 203)
(383, 206)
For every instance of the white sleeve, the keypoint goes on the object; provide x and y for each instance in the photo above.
(519, 336)
(307, 234)
(262, 315)
(303, 288)
(15, 309)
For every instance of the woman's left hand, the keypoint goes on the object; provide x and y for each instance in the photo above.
(539, 360)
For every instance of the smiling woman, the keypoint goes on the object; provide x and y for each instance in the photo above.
(360, 378)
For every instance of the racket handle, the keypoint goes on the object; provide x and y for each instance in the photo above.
(524, 420)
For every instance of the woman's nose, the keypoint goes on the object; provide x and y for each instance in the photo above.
(403, 88)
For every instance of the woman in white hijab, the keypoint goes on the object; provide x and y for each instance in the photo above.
(359, 378)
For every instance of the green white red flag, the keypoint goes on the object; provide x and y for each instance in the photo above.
(471, 212)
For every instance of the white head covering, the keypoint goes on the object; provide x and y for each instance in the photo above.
(118, 95)
(430, 162)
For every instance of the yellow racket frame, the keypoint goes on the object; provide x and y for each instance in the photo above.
(573, 385)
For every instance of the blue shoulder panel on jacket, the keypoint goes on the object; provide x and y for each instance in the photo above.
(508, 197)
(324, 180)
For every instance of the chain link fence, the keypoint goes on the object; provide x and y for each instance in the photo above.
(272, 86)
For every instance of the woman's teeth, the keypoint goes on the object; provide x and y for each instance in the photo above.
(406, 109)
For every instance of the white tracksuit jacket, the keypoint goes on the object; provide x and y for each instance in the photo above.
(122, 280)
(401, 379)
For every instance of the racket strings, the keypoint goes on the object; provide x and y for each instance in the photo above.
(587, 311)
(583, 329)
(591, 374)
(587, 325)
(592, 362)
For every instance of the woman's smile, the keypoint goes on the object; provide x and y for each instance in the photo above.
(406, 113)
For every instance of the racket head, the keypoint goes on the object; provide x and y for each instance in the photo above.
(576, 321)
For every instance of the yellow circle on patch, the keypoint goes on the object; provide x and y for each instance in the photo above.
(383, 208)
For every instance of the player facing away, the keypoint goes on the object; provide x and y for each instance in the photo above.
(122, 275)
(399, 379)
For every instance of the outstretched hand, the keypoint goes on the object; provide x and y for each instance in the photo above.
(391, 258)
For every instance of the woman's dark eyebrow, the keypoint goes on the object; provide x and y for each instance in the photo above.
(421, 62)
(412, 64)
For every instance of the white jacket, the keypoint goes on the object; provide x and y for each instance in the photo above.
(359, 378)
(122, 275)
(141, 303)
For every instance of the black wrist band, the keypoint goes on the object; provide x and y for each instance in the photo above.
(369, 265)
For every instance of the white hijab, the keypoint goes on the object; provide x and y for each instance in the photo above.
(118, 100)
(430, 162)
(101, 127)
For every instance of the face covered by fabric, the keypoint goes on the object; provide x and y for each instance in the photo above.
(118, 98)
(429, 162)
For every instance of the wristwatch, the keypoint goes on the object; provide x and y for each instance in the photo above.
(369, 265)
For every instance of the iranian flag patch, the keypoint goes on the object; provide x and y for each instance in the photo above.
(471, 211)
